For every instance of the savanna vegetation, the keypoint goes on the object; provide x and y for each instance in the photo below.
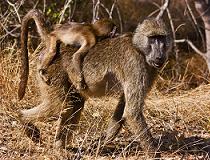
(177, 108)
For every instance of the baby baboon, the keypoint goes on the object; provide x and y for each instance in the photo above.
(82, 34)
(125, 65)
(73, 33)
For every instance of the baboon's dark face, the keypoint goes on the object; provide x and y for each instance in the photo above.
(153, 40)
(156, 52)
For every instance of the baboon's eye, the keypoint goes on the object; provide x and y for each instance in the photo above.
(152, 40)
(159, 38)
(162, 39)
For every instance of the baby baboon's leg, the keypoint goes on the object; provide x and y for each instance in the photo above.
(68, 121)
(116, 121)
(48, 57)
(77, 63)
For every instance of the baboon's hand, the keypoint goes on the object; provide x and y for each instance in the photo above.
(113, 32)
(43, 75)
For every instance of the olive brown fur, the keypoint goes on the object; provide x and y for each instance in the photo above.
(125, 66)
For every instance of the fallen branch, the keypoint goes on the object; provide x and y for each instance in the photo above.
(194, 21)
(163, 9)
(96, 6)
(192, 46)
(15, 9)
(110, 12)
(67, 5)
(202, 7)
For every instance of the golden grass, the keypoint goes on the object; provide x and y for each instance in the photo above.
(180, 120)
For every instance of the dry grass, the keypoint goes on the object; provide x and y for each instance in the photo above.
(179, 120)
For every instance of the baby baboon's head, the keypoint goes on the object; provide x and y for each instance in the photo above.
(104, 27)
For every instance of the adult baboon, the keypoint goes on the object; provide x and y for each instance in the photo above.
(125, 65)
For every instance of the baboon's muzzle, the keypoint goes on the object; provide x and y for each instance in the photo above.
(159, 61)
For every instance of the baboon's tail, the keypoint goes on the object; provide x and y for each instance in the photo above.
(38, 17)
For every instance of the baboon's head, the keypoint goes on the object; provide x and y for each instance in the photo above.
(152, 38)
(104, 27)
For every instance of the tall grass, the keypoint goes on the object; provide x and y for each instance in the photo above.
(179, 120)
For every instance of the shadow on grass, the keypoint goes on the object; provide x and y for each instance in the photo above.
(169, 144)
(185, 145)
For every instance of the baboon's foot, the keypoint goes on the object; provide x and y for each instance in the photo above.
(63, 139)
(107, 137)
(153, 154)
(97, 143)
(157, 145)
(59, 144)
(112, 130)
(43, 74)
(32, 132)
(151, 149)
(80, 84)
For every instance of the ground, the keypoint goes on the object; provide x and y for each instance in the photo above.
(180, 122)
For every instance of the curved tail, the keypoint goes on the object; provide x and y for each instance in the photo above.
(38, 17)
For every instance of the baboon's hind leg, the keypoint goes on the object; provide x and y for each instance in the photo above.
(28, 116)
(38, 113)
(68, 120)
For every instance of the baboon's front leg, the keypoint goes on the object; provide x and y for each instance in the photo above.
(68, 121)
(135, 119)
(116, 121)
(138, 125)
